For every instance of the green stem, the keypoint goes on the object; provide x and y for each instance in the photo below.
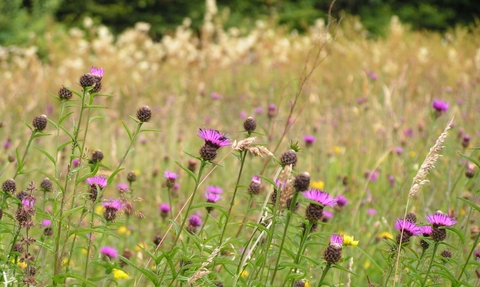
(301, 248)
(85, 272)
(232, 202)
(469, 256)
(420, 259)
(325, 271)
(250, 203)
(58, 255)
(62, 108)
(289, 217)
(431, 263)
(22, 161)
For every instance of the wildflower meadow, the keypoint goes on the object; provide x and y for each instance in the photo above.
(241, 158)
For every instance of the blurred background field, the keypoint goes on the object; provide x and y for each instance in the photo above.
(368, 104)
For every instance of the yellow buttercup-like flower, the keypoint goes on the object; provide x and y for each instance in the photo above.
(366, 265)
(139, 247)
(337, 150)
(307, 284)
(123, 230)
(349, 240)
(244, 274)
(119, 274)
(99, 209)
(22, 265)
(318, 184)
(385, 235)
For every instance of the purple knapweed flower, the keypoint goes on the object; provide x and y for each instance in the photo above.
(336, 240)
(122, 187)
(215, 96)
(399, 150)
(371, 211)
(440, 219)
(7, 144)
(326, 216)
(98, 72)
(243, 114)
(404, 225)
(372, 76)
(440, 106)
(372, 175)
(408, 132)
(114, 204)
(426, 230)
(212, 197)
(47, 223)
(213, 137)
(309, 140)
(341, 200)
(109, 252)
(97, 180)
(195, 221)
(272, 110)
(214, 189)
(320, 196)
(28, 202)
(170, 175)
(164, 208)
(258, 110)
(391, 179)
(76, 162)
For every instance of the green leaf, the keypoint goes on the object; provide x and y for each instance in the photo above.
(67, 132)
(64, 117)
(460, 235)
(471, 159)
(112, 176)
(40, 134)
(187, 171)
(30, 127)
(60, 147)
(149, 130)
(103, 95)
(94, 107)
(60, 278)
(95, 118)
(46, 154)
(473, 205)
(149, 274)
(52, 123)
(135, 119)
(128, 131)
(71, 211)
(19, 160)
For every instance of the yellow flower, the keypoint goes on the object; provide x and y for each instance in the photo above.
(244, 274)
(22, 265)
(99, 209)
(318, 184)
(463, 212)
(349, 240)
(119, 274)
(84, 251)
(385, 235)
(307, 284)
(366, 265)
(140, 247)
(337, 150)
(412, 154)
(123, 230)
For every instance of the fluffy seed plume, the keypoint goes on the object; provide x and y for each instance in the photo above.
(429, 162)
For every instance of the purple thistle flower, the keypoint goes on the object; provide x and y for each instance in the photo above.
(320, 196)
(336, 240)
(113, 204)
(213, 137)
(7, 144)
(373, 76)
(97, 180)
(215, 96)
(259, 110)
(212, 197)
(440, 106)
(341, 200)
(408, 132)
(327, 214)
(426, 230)
(408, 226)
(195, 221)
(170, 175)
(98, 72)
(440, 219)
(47, 223)
(243, 115)
(256, 179)
(214, 189)
(165, 208)
(391, 179)
(399, 150)
(108, 251)
(371, 211)
(372, 175)
(76, 162)
(309, 140)
(122, 187)
(28, 202)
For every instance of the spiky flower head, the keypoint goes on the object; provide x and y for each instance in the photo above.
(111, 207)
(440, 219)
(250, 124)
(122, 187)
(326, 216)
(46, 184)
(309, 140)
(64, 94)
(289, 157)
(341, 200)
(97, 72)
(9, 186)
(407, 226)
(214, 189)
(144, 114)
(255, 185)
(320, 196)
(99, 181)
(426, 230)
(302, 182)
(28, 201)
(212, 197)
(213, 137)
(440, 106)
(40, 123)
(164, 208)
(195, 221)
(97, 156)
(131, 176)
(110, 252)
(333, 253)
(171, 177)
(411, 217)
(272, 110)
(47, 223)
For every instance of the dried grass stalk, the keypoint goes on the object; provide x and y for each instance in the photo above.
(429, 162)
(246, 144)
(202, 271)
